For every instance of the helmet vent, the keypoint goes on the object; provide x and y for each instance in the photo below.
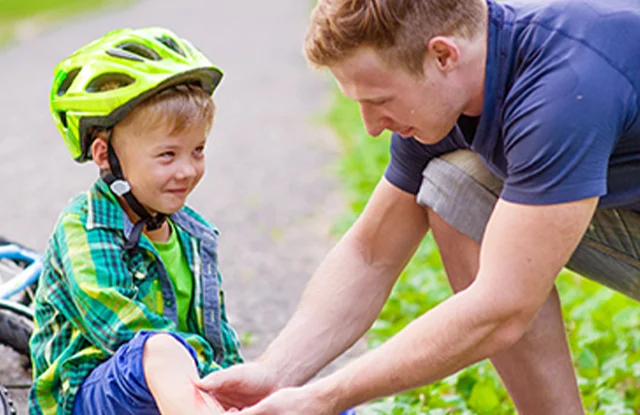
(68, 80)
(63, 119)
(140, 50)
(109, 81)
(171, 44)
(120, 53)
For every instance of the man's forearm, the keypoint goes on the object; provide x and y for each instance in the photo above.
(457, 333)
(340, 303)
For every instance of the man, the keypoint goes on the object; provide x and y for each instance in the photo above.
(517, 141)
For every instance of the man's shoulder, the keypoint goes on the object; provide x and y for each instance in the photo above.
(579, 23)
(562, 12)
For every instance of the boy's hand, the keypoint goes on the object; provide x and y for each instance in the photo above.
(239, 386)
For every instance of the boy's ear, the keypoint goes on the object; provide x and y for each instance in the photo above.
(99, 152)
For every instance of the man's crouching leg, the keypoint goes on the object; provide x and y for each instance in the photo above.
(460, 193)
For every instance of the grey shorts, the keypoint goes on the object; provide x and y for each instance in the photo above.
(459, 188)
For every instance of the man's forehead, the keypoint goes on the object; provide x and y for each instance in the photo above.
(363, 74)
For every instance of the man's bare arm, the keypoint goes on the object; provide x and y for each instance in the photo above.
(523, 250)
(347, 292)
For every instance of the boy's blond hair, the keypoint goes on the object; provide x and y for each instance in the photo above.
(399, 30)
(179, 108)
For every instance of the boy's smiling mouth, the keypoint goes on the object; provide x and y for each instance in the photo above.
(178, 191)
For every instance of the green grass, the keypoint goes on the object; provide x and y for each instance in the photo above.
(12, 10)
(21, 16)
(602, 326)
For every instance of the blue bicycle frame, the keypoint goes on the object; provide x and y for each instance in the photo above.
(26, 277)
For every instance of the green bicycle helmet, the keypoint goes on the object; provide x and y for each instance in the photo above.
(141, 62)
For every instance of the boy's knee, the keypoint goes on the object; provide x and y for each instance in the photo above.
(162, 346)
(161, 343)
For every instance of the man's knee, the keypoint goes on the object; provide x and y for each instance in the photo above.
(460, 190)
(460, 194)
(609, 252)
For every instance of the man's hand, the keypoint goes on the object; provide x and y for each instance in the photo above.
(291, 401)
(240, 386)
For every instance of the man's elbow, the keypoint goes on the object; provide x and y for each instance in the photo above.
(510, 320)
(508, 333)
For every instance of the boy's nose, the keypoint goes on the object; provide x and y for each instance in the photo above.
(187, 170)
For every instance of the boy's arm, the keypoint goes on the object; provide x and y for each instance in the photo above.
(102, 288)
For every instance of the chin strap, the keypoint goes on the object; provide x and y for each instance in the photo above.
(121, 187)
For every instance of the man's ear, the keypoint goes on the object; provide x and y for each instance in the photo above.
(99, 151)
(444, 51)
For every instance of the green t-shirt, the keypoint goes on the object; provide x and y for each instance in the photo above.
(175, 262)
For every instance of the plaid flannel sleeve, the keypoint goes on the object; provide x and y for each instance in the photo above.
(102, 288)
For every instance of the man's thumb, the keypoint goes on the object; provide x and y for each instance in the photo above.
(213, 381)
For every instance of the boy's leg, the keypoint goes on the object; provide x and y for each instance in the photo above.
(170, 371)
(537, 370)
(119, 385)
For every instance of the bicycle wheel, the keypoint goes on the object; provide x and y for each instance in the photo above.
(6, 406)
(15, 329)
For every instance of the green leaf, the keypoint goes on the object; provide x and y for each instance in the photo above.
(588, 363)
(483, 398)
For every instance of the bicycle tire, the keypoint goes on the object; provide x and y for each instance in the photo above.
(15, 331)
(6, 405)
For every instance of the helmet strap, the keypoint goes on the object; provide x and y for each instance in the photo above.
(121, 187)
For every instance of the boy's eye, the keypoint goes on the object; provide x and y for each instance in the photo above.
(199, 150)
(167, 154)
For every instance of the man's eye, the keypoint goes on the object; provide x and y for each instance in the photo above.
(199, 150)
(381, 101)
(167, 154)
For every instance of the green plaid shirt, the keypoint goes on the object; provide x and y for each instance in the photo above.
(94, 296)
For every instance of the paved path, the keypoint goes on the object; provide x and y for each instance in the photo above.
(268, 187)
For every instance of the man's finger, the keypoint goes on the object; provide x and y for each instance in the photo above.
(213, 381)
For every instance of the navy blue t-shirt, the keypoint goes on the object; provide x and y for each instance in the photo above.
(560, 114)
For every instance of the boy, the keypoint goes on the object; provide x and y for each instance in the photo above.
(129, 310)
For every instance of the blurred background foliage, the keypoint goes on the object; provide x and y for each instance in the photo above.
(602, 326)
(21, 19)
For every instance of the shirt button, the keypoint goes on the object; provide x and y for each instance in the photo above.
(168, 303)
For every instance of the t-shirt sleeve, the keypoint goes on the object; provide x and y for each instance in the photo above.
(409, 157)
(560, 127)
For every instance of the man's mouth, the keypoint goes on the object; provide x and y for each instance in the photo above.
(406, 133)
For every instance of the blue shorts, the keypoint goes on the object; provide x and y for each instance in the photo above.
(118, 385)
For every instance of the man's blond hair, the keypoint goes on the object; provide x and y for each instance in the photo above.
(399, 30)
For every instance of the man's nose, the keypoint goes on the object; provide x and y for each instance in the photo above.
(374, 122)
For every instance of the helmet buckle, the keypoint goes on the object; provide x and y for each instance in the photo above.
(120, 187)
